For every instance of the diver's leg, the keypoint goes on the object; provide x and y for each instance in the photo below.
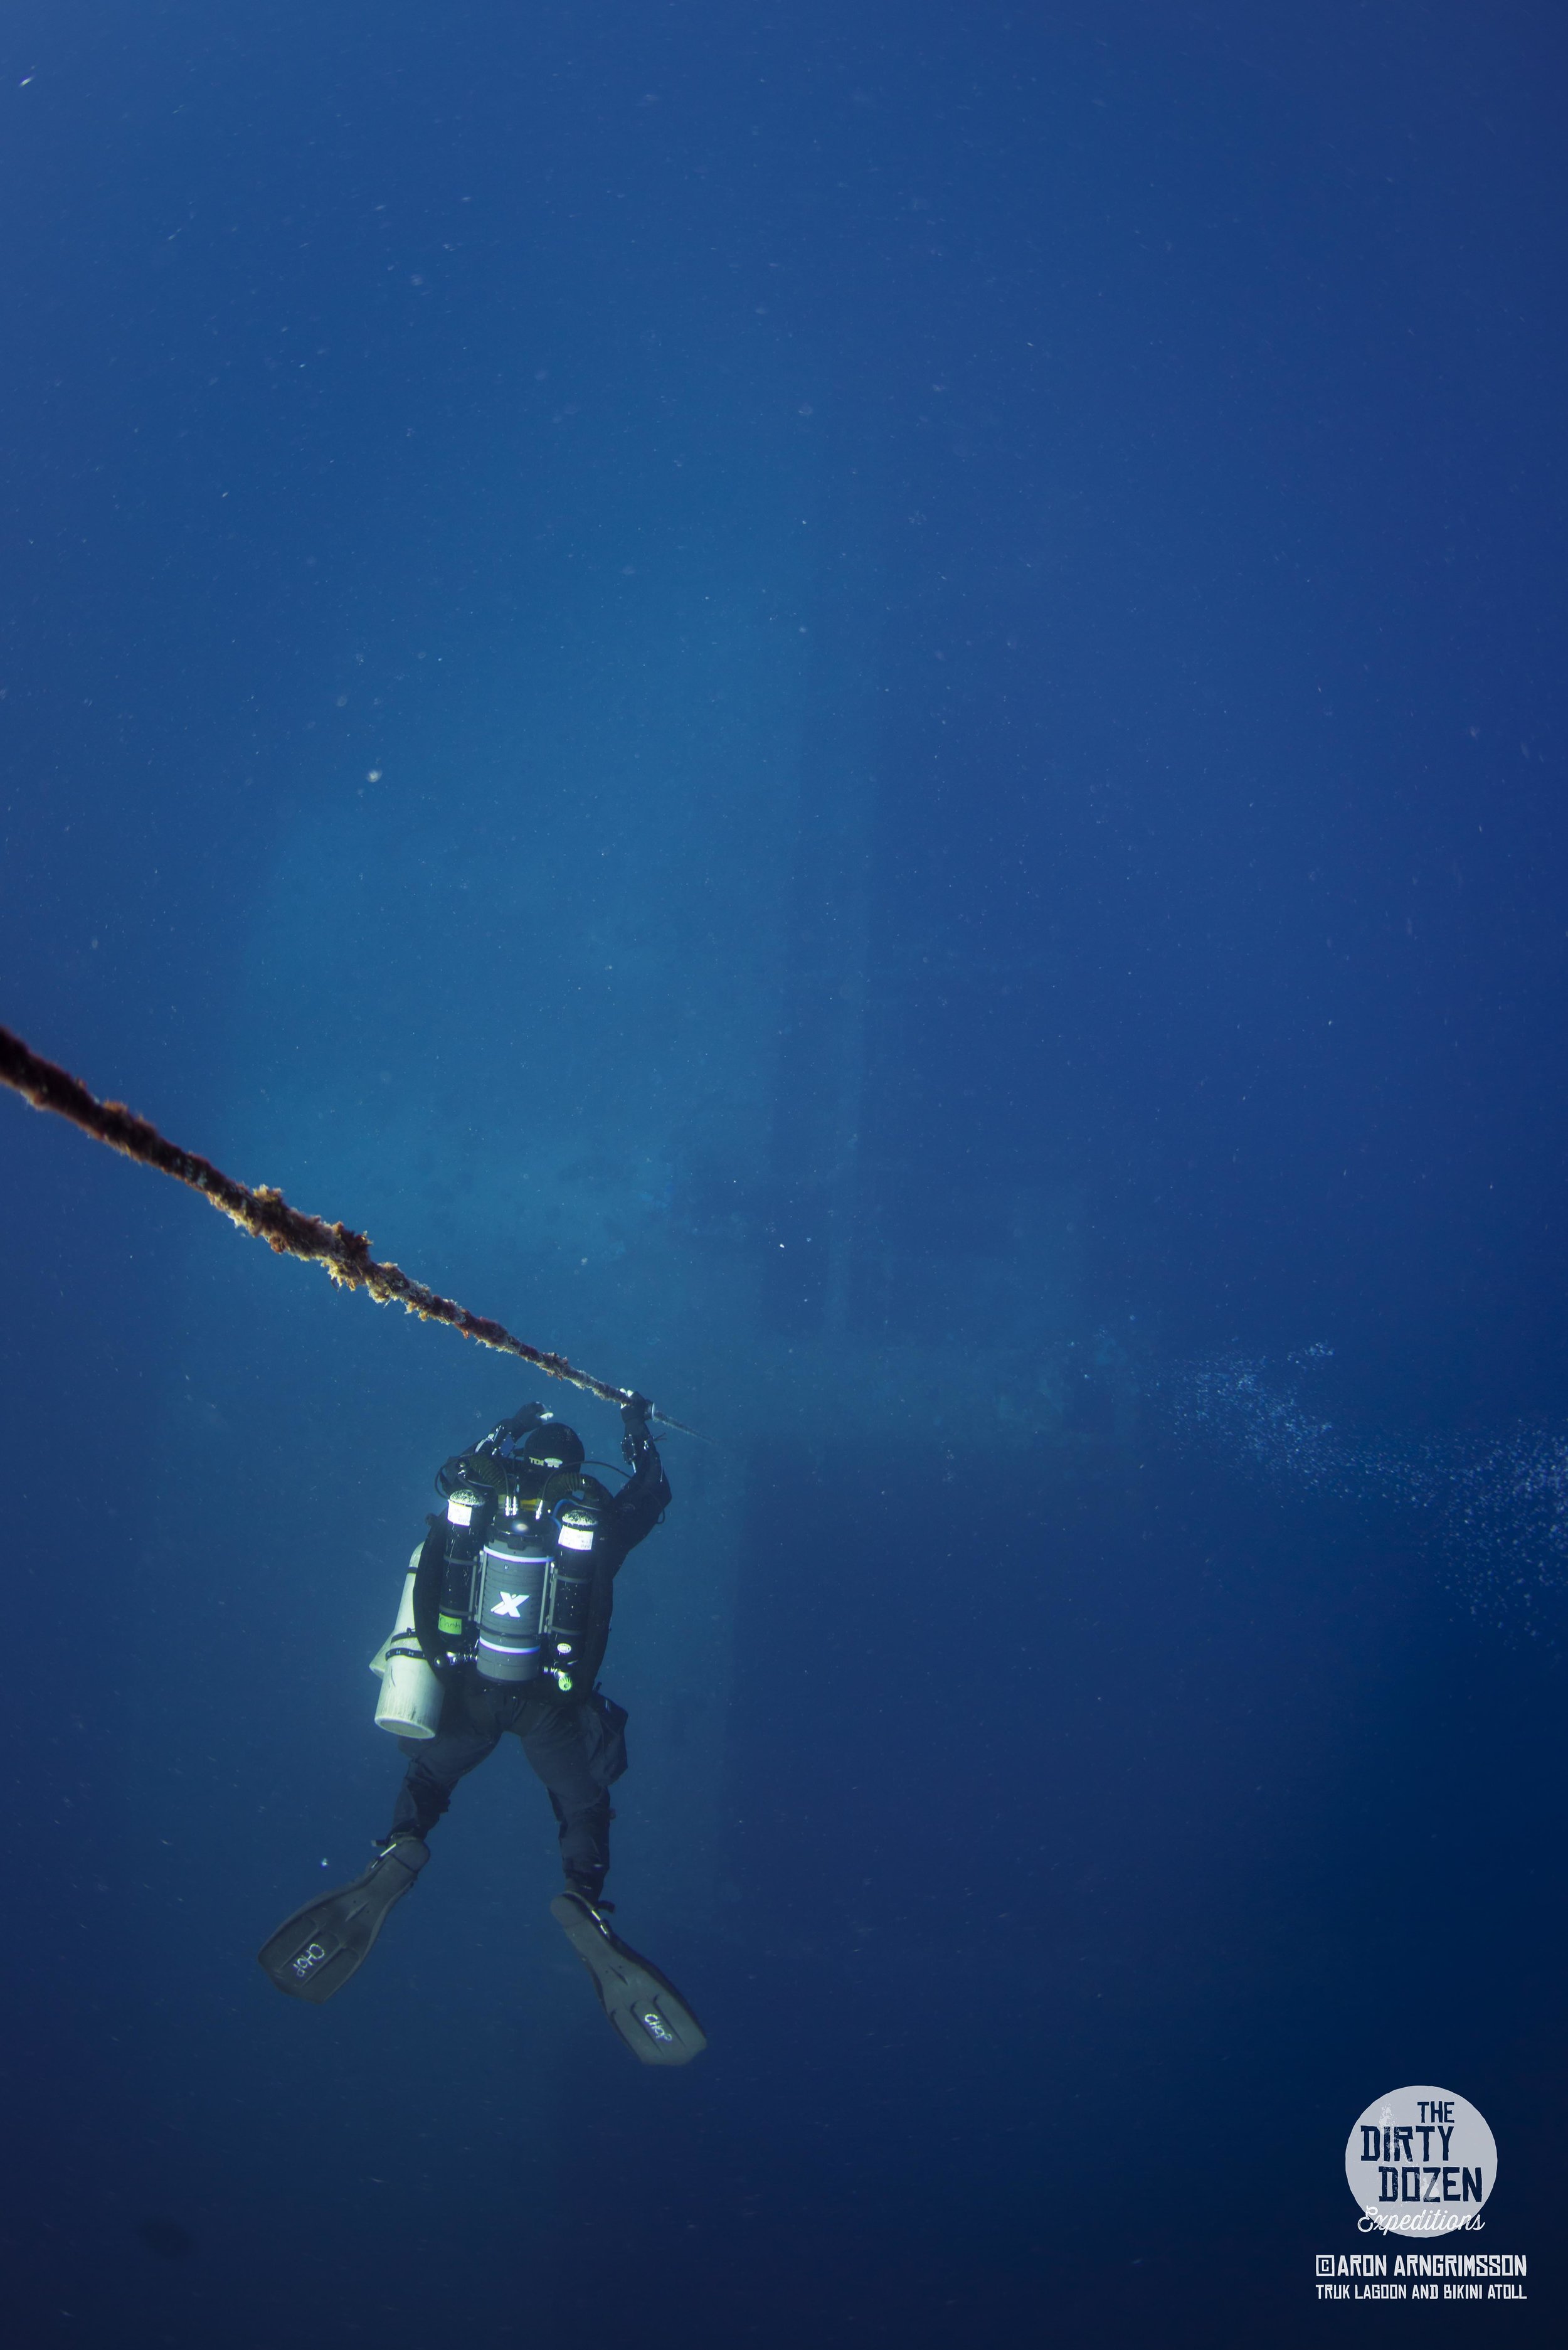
(580, 1752)
(569, 1750)
(315, 1951)
(467, 1732)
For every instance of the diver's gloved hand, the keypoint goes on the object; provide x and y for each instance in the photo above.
(634, 1414)
(525, 1418)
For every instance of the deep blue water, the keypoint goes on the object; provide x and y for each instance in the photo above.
(858, 710)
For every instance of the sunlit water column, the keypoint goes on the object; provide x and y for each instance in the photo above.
(513, 1004)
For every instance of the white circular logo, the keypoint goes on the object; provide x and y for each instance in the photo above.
(1420, 2162)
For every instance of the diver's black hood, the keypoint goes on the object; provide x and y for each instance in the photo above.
(552, 1445)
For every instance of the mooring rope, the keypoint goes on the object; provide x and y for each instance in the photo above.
(345, 1254)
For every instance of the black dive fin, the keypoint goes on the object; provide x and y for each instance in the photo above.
(314, 1953)
(647, 2011)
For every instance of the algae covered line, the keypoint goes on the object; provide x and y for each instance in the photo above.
(344, 1255)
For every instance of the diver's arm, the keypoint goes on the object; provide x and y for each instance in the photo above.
(522, 1423)
(644, 1498)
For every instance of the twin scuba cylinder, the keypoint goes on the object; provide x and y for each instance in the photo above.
(517, 1595)
(530, 1581)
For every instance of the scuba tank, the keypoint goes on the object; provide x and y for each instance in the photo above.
(468, 1509)
(518, 1572)
(514, 1582)
(411, 1699)
(493, 1583)
(577, 1505)
(535, 1581)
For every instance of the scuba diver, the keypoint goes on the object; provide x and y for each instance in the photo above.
(502, 1626)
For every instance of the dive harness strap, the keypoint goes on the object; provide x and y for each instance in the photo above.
(427, 1595)
(644, 2006)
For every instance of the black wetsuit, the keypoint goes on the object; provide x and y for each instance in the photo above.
(576, 1743)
